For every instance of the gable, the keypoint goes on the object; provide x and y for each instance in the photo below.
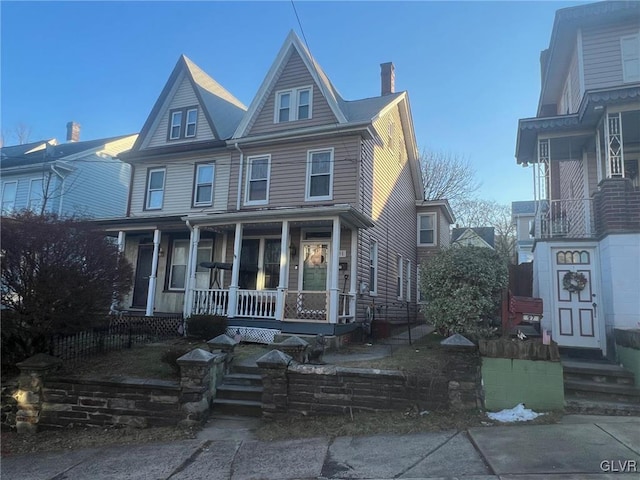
(181, 96)
(468, 237)
(293, 74)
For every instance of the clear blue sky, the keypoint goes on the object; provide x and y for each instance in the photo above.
(471, 68)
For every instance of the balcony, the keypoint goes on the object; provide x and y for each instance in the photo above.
(570, 218)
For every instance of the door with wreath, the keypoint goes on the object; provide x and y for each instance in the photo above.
(576, 317)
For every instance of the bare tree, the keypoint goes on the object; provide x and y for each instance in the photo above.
(21, 132)
(447, 176)
(488, 213)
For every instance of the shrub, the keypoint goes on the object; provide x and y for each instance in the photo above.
(206, 327)
(463, 288)
(56, 275)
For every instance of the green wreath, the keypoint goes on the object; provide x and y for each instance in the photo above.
(574, 281)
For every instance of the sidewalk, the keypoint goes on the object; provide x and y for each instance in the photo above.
(580, 447)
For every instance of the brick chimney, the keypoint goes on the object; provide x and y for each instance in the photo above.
(388, 78)
(73, 132)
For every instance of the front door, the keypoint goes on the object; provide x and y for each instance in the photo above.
(576, 315)
(314, 266)
(143, 272)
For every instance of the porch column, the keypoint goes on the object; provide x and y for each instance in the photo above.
(333, 282)
(235, 272)
(122, 237)
(598, 156)
(151, 296)
(191, 272)
(114, 298)
(284, 268)
(613, 138)
(223, 256)
(353, 285)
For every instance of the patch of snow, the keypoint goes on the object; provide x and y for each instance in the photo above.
(516, 414)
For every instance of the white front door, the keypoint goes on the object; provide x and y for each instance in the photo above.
(575, 314)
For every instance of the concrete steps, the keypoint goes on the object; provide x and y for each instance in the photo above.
(240, 392)
(597, 386)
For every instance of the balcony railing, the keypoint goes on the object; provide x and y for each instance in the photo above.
(345, 303)
(571, 218)
(210, 302)
(257, 303)
(306, 305)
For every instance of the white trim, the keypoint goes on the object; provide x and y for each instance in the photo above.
(580, 62)
(41, 193)
(248, 180)
(172, 125)
(408, 289)
(626, 78)
(148, 196)
(307, 193)
(15, 194)
(435, 229)
(196, 185)
(373, 280)
(187, 123)
(399, 277)
(294, 103)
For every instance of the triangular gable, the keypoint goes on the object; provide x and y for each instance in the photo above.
(219, 112)
(321, 81)
(469, 237)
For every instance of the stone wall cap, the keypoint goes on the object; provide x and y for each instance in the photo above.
(196, 356)
(40, 361)
(223, 339)
(293, 341)
(274, 359)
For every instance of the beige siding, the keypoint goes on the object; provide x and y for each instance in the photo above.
(602, 56)
(179, 183)
(289, 172)
(386, 174)
(184, 97)
(294, 74)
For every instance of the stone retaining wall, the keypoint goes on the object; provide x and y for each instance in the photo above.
(628, 350)
(290, 387)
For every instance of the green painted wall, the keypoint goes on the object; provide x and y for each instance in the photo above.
(630, 359)
(508, 382)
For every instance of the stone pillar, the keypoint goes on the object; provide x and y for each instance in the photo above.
(463, 372)
(223, 344)
(30, 385)
(273, 366)
(199, 377)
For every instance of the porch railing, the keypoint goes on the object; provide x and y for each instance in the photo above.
(345, 314)
(572, 218)
(210, 302)
(306, 305)
(257, 303)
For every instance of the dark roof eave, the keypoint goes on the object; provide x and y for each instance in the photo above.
(132, 155)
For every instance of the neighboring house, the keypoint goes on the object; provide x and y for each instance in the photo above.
(306, 207)
(583, 146)
(473, 237)
(75, 178)
(523, 215)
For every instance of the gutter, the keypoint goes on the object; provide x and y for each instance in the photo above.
(62, 178)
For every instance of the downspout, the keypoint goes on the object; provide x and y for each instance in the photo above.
(239, 196)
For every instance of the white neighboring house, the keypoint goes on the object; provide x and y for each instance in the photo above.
(523, 214)
(74, 178)
(583, 145)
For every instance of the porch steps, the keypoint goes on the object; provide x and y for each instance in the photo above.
(598, 386)
(240, 392)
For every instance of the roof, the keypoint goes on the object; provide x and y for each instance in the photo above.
(527, 207)
(222, 110)
(485, 233)
(18, 150)
(50, 152)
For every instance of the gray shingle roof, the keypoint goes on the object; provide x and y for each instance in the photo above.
(485, 233)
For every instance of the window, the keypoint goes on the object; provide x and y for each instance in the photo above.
(257, 191)
(178, 269)
(36, 195)
(155, 189)
(192, 119)
(183, 123)
(205, 254)
(319, 175)
(271, 263)
(9, 190)
(203, 190)
(426, 229)
(408, 289)
(630, 49)
(399, 278)
(294, 104)
(373, 268)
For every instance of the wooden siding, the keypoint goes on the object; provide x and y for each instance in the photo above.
(601, 52)
(184, 97)
(179, 183)
(385, 172)
(294, 74)
(289, 171)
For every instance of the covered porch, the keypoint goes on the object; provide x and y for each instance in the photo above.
(286, 265)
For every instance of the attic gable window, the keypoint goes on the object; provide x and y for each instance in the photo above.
(294, 104)
(183, 123)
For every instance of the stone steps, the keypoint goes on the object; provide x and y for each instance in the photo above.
(240, 392)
